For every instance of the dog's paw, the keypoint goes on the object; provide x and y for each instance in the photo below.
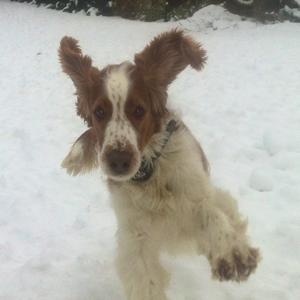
(236, 266)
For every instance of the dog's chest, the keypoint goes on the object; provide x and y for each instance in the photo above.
(159, 199)
(172, 194)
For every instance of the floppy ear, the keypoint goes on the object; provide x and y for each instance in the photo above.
(163, 59)
(167, 55)
(83, 156)
(83, 74)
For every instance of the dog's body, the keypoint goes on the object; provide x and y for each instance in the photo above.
(175, 205)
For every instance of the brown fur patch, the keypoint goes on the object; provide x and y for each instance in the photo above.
(100, 125)
(163, 59)
(149, 124)
(86, 78)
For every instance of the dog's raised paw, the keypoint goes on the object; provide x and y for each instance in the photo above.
(237, 266)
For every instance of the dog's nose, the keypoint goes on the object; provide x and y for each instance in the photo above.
(119, 161)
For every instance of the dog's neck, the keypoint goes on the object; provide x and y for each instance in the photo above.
(148, 163)
(156, 150)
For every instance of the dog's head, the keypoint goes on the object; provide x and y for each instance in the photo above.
(123, 104)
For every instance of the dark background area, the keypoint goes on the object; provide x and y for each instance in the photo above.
(151, 10)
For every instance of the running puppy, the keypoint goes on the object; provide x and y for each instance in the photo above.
(158, 174)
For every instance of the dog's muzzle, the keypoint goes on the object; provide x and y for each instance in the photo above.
(119, 162)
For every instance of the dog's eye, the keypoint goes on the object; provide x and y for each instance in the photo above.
(99, 113)
(139, 112)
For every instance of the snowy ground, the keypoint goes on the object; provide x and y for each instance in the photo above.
(57, 232)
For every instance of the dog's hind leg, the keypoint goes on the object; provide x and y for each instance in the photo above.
(139, 268)
(222, 237)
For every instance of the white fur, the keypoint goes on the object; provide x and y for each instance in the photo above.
(119, 132)
(76, 150)
(176, 208)
(73, 160)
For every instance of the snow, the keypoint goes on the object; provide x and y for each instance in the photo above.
(261, 180)
(57, 232)
(272, 142)
(294, 12)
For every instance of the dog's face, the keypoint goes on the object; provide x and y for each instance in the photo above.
(124, 104)
(123, 120)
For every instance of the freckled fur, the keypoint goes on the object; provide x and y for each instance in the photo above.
(119, 133)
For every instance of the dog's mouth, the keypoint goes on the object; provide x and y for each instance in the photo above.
(120, 165)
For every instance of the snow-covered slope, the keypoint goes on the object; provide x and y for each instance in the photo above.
(57, 232)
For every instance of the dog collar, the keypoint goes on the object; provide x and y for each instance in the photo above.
(147, 167)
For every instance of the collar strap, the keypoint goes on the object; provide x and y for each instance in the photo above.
(147, 167)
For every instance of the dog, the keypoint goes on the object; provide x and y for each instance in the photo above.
(157, 172)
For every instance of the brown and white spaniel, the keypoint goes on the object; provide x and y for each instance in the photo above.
(156, 171)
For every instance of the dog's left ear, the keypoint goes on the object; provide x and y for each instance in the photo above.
(167, 55)
(163, 59)
(83, 156)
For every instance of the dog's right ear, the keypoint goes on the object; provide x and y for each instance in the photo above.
(83, 156)
(79, 67)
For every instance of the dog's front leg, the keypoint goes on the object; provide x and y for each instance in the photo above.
(139, 268)
(223, 238)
